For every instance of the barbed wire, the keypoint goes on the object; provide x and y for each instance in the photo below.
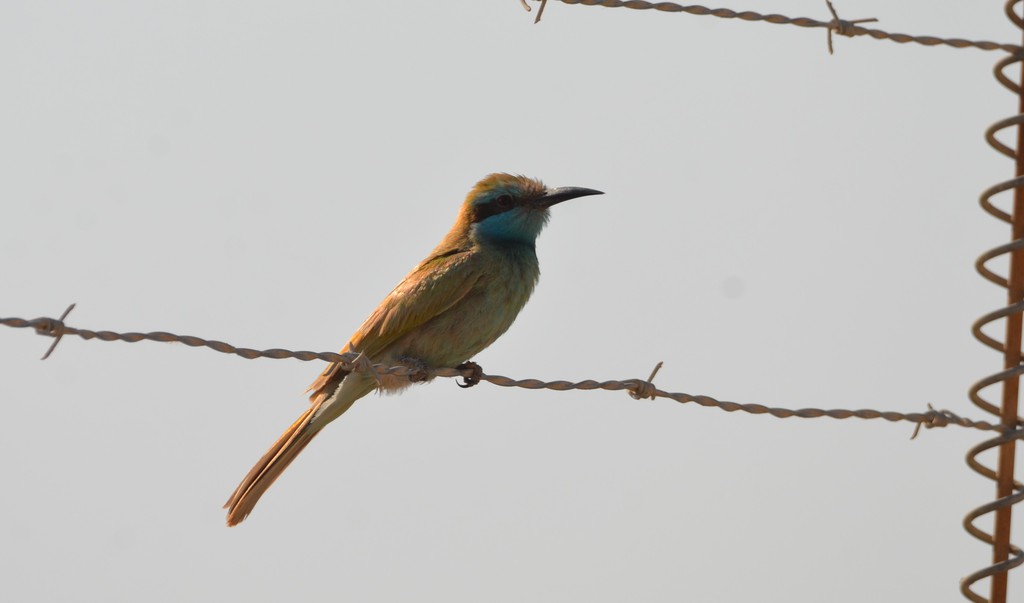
(835, 25)
(637, 388)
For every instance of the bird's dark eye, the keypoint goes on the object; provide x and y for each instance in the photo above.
(503, 202)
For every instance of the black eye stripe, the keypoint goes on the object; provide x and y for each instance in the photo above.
(493, 208)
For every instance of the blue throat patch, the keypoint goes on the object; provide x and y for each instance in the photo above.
(517, 226)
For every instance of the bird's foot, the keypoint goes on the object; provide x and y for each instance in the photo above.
(419, 372)
(474, 376)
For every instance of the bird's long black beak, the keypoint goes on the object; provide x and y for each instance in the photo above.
(557, 195)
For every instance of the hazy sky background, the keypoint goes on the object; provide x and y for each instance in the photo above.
(780, 226)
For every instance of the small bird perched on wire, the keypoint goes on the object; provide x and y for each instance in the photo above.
(452, 305)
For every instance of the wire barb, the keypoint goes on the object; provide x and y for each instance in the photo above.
(540, 12)
(935, 418)
(841, 27)
(55, 329)
(362, 364)
(646, 389)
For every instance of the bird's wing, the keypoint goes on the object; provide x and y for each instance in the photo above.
(433, 287)
(428, 291)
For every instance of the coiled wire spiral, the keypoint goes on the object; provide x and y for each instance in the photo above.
(1016, 556)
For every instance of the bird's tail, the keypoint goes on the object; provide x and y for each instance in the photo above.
(324, 409)
(269, 468)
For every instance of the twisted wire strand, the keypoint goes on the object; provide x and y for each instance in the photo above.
(970, 522)
(839, 26)
(638, 388)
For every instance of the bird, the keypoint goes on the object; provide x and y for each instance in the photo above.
(457, 301)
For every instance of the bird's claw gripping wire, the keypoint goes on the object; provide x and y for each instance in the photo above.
(473, 377)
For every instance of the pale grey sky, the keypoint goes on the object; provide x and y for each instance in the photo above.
(780, 226)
